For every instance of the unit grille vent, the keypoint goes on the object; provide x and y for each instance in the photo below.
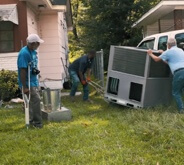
(129, 61)
(113, 85)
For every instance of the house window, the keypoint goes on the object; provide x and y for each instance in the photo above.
(162, 43)
(6, 37)
(180, 40)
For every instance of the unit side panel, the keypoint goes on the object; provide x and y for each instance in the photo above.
(157, 91)
(125, 89)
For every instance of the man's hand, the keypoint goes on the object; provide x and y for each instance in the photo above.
(155, 58)
(25, 90)
(88, 79)
(160, 51)
(150, 52)
(83, 82)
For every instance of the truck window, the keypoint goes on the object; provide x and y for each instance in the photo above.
(180, 40)
(162, 43)
(148, 44)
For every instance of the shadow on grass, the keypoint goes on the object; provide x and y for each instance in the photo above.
(107, 111)
(14, 126)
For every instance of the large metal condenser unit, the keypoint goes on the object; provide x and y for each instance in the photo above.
(135, 80)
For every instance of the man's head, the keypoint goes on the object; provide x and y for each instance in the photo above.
(171, 42)
(33, 41)
(91, 54)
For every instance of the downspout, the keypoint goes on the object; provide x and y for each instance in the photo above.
(159, 26)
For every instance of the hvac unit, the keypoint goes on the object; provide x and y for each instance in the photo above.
(135, 80)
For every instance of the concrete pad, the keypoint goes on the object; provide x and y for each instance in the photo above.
(63, 114)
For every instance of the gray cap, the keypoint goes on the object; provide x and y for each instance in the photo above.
(34, 38)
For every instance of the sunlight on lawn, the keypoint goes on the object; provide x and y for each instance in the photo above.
(98, 133)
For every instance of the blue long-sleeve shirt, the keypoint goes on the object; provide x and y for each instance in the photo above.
(81, 64)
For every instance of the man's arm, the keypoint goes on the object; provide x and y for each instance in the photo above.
(23, 75)
(88, 74)
(82, 79)
(81, 70)
(81, 75)
(155, 58)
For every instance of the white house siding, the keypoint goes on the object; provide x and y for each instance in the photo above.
(167, 22)
(49, 56)
(152, 29)
(49, 27)
(63, 38)
(32, 20)
(8, 61)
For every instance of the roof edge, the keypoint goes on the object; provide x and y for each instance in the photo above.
(159, 5)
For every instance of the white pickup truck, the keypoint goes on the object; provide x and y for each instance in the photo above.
(159, 41)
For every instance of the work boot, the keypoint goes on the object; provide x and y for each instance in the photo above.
(88, 101)
(36, 125)
(39, 126)
(181, 111)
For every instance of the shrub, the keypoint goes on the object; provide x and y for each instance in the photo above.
(8, 85)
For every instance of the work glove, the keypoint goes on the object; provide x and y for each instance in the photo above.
(88, 79)
(83, 82)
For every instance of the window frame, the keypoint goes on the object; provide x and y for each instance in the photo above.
(147, 40)
(165, 43)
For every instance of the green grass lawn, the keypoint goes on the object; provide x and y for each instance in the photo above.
(98, 134)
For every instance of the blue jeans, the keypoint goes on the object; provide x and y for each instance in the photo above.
(177, 88)
(75, 83)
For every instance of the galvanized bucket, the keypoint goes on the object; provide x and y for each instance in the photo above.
(51, 99)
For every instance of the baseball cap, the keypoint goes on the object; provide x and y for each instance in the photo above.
(34, 38)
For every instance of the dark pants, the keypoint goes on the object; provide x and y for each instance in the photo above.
(75, 82)
(34, 107)
(177, 88)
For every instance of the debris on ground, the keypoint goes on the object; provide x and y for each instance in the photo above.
(17, 100)
(9, 106)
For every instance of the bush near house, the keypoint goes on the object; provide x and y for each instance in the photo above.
(8, 85)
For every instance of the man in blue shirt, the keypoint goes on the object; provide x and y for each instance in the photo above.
(77, 72)
(174, 57)
(28, 56)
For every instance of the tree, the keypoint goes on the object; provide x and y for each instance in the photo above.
(101, 23)
(74, 40)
